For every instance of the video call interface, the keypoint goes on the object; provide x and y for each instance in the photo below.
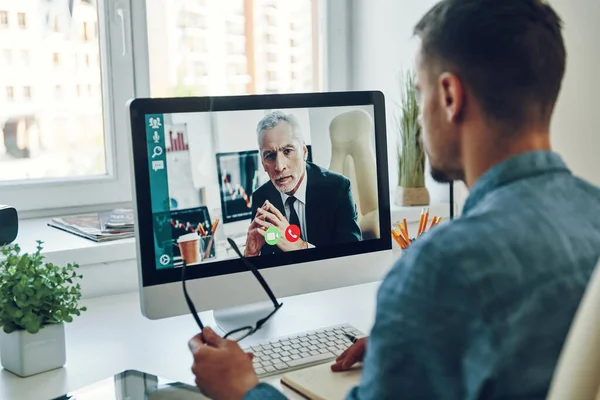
(273, 181)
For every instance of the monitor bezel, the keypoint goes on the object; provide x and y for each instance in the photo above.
(139, 108)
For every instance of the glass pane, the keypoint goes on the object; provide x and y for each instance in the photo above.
(51, 122)
(217, 47)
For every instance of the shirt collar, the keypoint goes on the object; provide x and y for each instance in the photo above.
(300, 194)
(519, 167)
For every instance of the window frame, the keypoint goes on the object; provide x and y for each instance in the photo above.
(46, 197)
(122, 34)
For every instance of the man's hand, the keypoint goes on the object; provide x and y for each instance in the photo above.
(255, 238)
(271, 216)
(352, 355)
(222, 369)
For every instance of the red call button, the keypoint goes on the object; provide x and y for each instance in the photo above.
(292, 233)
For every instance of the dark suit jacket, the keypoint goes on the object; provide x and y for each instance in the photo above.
(331, 216)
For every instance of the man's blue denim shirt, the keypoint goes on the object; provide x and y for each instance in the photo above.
(479, 307)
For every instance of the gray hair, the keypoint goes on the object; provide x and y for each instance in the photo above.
(273, 119)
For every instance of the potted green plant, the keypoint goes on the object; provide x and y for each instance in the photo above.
(36, 299)
(411, 190)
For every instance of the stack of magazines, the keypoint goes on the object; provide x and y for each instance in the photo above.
(98, 226)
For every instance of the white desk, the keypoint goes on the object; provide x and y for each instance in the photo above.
(113, 336)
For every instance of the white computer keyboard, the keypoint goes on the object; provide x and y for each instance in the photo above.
(288, 353)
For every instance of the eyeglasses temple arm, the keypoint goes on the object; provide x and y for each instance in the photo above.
(189, 301)
(255, 272)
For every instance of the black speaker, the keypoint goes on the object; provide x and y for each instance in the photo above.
(9, 224)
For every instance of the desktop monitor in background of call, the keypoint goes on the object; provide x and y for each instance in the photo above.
(329, 149)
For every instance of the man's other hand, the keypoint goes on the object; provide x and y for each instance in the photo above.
(352, 355)
(222, 369)
(271, 216)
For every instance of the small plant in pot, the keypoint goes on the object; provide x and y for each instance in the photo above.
(411, 190)
(36, 299)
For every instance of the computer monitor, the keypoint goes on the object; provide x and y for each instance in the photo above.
(261, 147)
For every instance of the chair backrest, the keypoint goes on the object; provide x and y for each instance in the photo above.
(352, 139)
(577, 374)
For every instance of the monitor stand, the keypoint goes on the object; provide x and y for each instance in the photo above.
(229, 319)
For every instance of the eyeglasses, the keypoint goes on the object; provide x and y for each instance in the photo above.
(245, 331)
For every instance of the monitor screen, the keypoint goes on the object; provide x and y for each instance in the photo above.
(291, 184)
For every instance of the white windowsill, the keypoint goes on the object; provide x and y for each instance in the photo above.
(62, 247)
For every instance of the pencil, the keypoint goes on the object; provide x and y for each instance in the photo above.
(202, 231)
(406, 230)
(421, 222)
(402, 239)
(214, 226)
(398, 238)
(425, 220)
(433, 222)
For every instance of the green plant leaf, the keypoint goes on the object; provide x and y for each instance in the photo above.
(34, 293)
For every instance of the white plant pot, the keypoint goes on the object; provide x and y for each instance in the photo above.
(25, 354)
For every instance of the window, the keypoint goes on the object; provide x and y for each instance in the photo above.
(90, 160)
(7, 57)
(78, 157)
(22, 19)
(227, 25)
(58, 92)
(25, 58)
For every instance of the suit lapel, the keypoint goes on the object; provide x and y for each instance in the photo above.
(312, 205)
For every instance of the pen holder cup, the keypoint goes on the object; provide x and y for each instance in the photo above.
(207, 247)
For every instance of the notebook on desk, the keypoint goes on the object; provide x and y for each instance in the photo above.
(320, 383)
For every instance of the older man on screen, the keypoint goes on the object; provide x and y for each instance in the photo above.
(300, 193)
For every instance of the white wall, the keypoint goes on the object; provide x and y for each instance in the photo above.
(576, 127)
(383, 45)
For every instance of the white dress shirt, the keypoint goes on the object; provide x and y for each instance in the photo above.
(299, 206)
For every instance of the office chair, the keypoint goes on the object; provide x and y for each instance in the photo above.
(352, 139)
(577, 374)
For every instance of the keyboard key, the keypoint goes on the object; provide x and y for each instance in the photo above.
(286, 348)
(324, 351)
(286, 359)
(259, 371)
(285, 354)
(309, 360)
(294, 351)
(267, 346)
(296, 357)
(305, 354)
(282, 365)
(270, 368)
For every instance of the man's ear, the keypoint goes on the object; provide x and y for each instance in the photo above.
(305, 150)
(452, 93)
